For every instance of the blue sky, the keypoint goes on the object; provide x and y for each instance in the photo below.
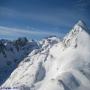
(40, 18)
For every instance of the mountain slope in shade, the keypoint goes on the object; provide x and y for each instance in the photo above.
(63, 65)
(11, 53)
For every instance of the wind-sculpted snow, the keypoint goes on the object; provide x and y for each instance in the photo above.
(57, 65)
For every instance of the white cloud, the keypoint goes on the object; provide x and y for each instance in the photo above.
(20, 32)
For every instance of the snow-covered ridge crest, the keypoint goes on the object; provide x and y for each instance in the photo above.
(61, 66)
(72, 37)
(81, 24)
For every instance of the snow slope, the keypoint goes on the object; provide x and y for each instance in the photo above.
(62, 65)
(11, 55)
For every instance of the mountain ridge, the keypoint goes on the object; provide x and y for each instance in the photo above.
(11, 54)
(57, 65)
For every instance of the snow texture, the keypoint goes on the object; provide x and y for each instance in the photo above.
(57, 64)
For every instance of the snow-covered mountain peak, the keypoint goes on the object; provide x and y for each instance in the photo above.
(55, 67)
(81, 23)
(79, 26)
(49, 41)
(77, 32)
